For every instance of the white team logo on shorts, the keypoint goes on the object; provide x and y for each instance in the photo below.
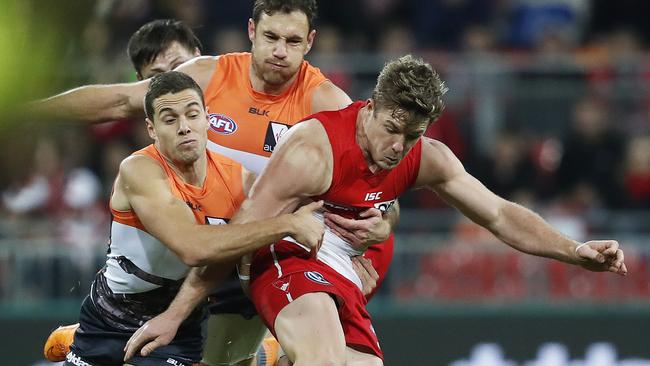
(317, 277)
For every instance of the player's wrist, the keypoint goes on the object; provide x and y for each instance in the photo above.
(290, 224)
(575, 248)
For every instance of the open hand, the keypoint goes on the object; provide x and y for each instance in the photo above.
(155, 333)
(370, 229)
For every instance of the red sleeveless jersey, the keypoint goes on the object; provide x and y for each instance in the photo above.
(354, 187)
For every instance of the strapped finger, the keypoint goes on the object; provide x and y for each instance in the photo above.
(585, 251)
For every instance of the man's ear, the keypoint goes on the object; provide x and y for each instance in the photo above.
(150, 130)
(251, 29)
(310, 40)
(370, 104)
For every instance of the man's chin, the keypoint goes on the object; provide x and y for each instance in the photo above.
(277, 78)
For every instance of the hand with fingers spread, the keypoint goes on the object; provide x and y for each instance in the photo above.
(308, 230)
(155, 333)
(366, 272)
(369, 229)
(601, 256)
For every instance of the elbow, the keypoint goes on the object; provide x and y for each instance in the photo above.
(200, 258)
(120, 110)
(194, 258)
(496, 222)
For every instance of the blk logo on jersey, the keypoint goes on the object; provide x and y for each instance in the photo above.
(194, 206)
(317, 277)
(259, 112)
(273, 134)
(222, 124)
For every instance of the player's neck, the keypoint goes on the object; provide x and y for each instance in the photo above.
(259, 85)
(192, 173)
(362, 139)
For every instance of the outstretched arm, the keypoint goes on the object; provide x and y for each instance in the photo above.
(515, 225)
(101, 103)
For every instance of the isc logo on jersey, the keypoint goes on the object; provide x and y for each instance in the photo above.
(273, 134)
(381, 206)
(221, 124)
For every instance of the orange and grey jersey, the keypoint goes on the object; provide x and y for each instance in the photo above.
(245, 125)
(137, 261)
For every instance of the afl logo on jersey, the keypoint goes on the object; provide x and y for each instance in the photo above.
(221, 124)
(317, 277)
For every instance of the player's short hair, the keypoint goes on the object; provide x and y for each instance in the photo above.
(169, 82)
(154, 37)
(411, 89)
(270, 7)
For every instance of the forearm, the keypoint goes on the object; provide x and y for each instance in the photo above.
(235, 240)
(197, 286)
(526, 231)
(93, 103)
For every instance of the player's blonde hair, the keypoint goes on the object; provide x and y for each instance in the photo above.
(411, 89)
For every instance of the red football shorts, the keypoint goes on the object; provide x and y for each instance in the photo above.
(284, 271)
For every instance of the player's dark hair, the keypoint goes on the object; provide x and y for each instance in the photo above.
(168, 82)
(411, 89)
(154, 37)
(270, 7)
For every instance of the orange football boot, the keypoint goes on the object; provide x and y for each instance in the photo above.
(58, 343)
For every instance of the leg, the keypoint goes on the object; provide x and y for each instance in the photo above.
(232, 340)
(356, 358)
(310, 331)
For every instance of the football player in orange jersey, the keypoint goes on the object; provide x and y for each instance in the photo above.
(281, 34)
(158, 46)
(169, 205)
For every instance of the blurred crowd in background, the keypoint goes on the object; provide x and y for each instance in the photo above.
(549, 106)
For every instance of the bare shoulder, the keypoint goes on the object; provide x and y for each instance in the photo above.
(437, 163)
(139, 169)
(329, 97)
(304, 158)
(308, 133)
(200, 69)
